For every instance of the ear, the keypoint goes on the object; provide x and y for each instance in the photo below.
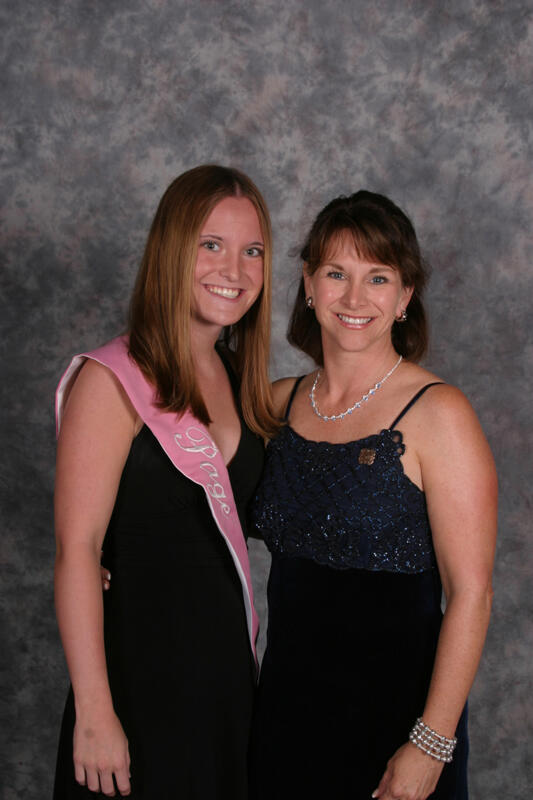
(405, 297)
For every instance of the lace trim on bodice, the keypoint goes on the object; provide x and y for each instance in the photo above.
(344, 505)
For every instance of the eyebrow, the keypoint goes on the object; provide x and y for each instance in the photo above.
(377, 268)
(221, 239)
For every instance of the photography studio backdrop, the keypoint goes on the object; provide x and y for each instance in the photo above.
(104, 103)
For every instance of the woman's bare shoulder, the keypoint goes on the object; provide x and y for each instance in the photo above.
(443, 400)
(98, 392)
(441, 407)
(443, 419)
(440, 395)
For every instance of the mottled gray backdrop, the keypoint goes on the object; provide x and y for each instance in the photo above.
(105, 101)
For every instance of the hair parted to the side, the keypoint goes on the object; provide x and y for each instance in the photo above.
(160, 308)
(381, 233)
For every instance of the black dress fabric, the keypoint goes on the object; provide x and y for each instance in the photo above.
(179, 660)
(354, 600)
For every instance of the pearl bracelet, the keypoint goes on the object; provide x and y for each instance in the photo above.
(431, 742)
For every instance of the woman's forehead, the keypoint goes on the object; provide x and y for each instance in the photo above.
(345, 242)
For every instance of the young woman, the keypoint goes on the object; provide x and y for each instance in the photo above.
(159, 451)
(379, 492)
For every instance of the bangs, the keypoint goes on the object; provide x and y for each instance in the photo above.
(368, 241)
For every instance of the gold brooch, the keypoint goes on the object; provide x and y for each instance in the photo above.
(367, 456)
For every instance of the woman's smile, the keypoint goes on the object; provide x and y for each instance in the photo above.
(354, 322)
(227, 292)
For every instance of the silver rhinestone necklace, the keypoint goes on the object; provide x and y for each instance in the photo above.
(359, 403)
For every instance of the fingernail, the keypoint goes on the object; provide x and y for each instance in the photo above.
(108, 576)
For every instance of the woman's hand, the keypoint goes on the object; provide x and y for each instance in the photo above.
(101, 753)
(410, 775)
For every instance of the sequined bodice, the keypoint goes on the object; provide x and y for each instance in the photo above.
(343, 505)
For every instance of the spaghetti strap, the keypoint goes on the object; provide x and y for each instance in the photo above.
(291, 397)
(413, 400)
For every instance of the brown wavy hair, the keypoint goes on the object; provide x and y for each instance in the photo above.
(381, 233)
(160, 308)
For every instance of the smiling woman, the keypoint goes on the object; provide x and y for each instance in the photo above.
(160, 448)
(373, 230)
(346, 285)
(370, 509)
(229, 269)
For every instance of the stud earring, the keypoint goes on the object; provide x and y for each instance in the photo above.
(309, 302)
(402, 317)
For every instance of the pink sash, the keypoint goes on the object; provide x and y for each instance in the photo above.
(189, 446)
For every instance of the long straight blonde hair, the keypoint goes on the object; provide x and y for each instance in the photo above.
(160, 309)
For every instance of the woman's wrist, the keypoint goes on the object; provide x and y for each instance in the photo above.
(434, 744)
(93, 702)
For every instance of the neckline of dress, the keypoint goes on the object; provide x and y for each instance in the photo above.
(235, 392)
(390, 431)
(230, 463)
(239, 445)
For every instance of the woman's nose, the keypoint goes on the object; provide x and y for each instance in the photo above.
(355, 293)
(231, 268)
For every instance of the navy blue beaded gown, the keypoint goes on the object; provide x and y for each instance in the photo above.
(354, 599)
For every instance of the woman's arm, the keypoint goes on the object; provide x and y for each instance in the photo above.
(96, 434)
(461, 490)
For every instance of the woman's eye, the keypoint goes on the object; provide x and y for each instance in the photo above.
(255, 252)
(336, 275)
(210, 245)
(378, 279)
